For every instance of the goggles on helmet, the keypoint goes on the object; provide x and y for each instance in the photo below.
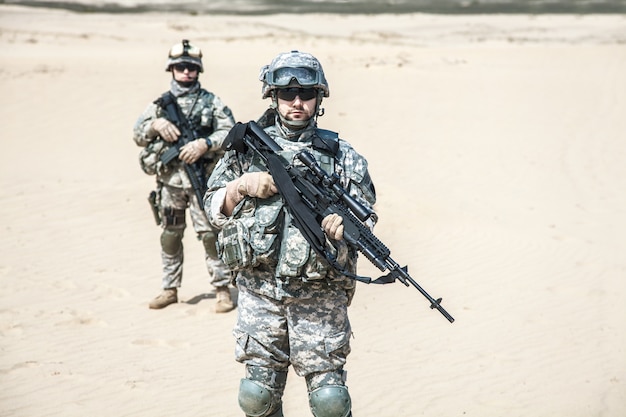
(282, 77)
(185, 49)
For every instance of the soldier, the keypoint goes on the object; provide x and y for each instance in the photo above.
(293, 306)
(209, 121)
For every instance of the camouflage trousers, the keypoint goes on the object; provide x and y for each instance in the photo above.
(181, 199)
(307, 326)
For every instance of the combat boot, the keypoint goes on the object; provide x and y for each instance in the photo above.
(168, 296)
(224, 302)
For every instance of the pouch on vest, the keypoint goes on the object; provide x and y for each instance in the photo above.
(294, 253)
(297, 259)
(150, 158)
(233, 245)
(263, 234)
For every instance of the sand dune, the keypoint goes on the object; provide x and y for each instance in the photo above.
(497, 148)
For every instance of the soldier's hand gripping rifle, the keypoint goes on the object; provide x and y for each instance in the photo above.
(194, 171)
(310, 195)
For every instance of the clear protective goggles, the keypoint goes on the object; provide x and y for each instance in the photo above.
(281, 77)
(185, 49)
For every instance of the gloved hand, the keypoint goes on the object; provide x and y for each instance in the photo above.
(192, 151)
(333, 226)
(164, 128)
(253, 184)
(257, 184)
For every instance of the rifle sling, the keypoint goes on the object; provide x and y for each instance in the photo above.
(304, 219)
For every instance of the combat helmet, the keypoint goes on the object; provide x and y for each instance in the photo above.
(295, 66)
(184, 52)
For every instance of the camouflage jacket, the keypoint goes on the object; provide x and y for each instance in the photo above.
(210, 118)
(275, 251)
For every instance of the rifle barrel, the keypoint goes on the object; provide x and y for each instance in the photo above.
(404, 276)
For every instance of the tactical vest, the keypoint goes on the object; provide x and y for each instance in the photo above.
(261, 231)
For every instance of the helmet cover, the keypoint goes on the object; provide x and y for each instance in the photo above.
(291, 68)
(184, 52)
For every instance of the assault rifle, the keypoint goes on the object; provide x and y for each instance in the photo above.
(195, 171)
(311, 194)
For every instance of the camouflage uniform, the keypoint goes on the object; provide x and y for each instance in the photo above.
(212, 120)
(292, 304)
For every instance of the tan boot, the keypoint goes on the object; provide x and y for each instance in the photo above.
(224, 300)
(168, 296)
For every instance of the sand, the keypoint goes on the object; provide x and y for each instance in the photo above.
(497, 147)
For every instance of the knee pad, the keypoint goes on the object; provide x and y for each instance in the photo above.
(254, 399)
(330, 401)
(209, 240)
(171, 241)
(260, 393)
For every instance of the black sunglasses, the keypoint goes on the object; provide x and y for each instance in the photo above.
(290, 94)
(186, 66)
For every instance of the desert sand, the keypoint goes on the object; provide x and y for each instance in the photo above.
(497, 145)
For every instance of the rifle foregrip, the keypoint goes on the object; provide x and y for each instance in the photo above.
(365, 241)
(374, 250)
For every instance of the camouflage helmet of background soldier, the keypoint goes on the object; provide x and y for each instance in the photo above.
(184, 52)
(293, 68)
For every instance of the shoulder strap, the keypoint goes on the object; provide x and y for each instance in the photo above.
(165, 99)
(326, 141)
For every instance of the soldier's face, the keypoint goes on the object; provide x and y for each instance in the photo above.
(296, 108)
(185, 73)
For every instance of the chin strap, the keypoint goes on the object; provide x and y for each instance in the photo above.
(293, 128)
(290, 131)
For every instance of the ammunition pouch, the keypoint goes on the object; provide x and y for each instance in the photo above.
(233, 246)
(150, 157)
(250, 241)
(173, 217)
(260, 237)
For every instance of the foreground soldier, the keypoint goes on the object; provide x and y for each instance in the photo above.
(293, 307)
(210, 120)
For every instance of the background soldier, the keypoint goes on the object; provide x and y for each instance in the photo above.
(209, 120)
(293, 307)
